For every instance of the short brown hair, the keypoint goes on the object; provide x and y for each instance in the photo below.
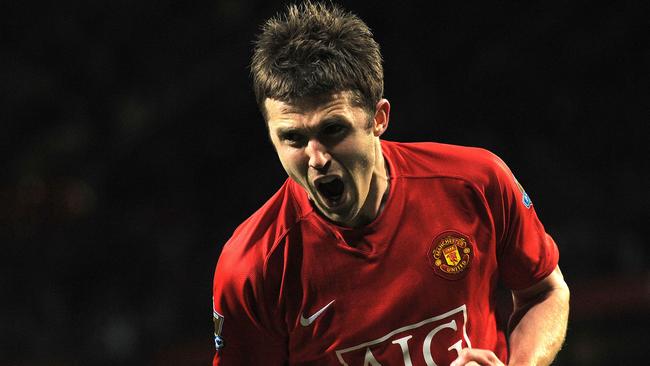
(315, 49)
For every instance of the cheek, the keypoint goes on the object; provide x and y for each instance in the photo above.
(358, 161)
(293, 163)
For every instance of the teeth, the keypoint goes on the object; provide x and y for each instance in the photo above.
(327, 179)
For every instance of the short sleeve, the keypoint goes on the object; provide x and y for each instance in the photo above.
(247, 327)
(525, 252)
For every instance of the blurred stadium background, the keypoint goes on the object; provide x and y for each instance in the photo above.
(132, 147)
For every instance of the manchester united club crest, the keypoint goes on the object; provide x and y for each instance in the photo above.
(451, 255)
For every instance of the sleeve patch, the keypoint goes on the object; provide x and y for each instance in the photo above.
(218, 327)
(525, 199)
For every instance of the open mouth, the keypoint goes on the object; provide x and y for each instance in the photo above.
(331, 188)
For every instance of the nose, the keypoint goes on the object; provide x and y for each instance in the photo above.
(319, 158)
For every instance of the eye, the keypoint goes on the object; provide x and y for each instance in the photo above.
(333, 129)
(291, 138)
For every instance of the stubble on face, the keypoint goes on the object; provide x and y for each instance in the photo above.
(328, 139)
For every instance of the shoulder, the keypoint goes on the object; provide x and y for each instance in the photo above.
(251, 245)
(479, 166)
(247, 285)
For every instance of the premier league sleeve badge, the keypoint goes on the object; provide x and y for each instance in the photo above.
(218, 326)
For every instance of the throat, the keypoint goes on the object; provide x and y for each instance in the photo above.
(375, 202)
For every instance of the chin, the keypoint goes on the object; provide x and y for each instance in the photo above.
(343, 218)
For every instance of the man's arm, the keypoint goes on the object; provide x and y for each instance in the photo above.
(538, 325)
(539, 320)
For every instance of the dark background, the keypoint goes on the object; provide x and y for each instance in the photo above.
(132, 147)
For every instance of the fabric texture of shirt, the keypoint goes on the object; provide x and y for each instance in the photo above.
(413, 287)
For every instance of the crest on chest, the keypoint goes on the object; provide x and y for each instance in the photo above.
(451, 254)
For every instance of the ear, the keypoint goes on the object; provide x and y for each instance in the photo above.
(382, 115)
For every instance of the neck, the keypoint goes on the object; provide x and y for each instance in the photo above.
(379, 188)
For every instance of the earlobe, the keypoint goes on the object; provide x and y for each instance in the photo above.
(382, 115)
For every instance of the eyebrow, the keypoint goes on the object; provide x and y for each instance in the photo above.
(283, 130)
(335, 118)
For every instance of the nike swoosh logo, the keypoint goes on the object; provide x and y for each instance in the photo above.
(305, 322)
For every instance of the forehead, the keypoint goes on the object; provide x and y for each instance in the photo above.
(310, 110)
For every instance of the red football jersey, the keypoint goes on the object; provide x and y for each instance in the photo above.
(411, 288)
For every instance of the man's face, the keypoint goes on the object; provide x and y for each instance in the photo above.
(331, 148)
